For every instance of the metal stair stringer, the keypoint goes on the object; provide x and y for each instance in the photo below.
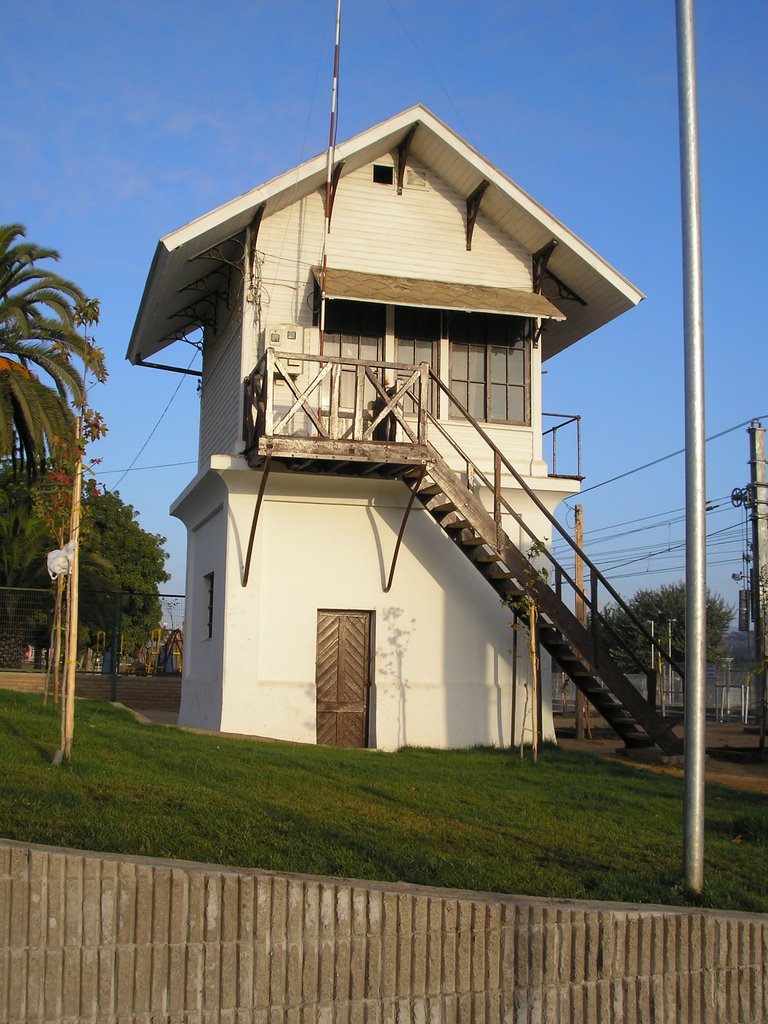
(586, 662)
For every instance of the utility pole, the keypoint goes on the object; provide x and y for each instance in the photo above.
(580, 609)
(759, 515)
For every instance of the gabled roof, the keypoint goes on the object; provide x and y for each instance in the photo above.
(596, 293)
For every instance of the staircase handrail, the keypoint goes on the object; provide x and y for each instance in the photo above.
(595, 575)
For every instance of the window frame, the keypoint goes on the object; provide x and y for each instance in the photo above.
(434, 361)
(480, 339)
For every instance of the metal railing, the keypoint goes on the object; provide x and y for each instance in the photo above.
(565, 420)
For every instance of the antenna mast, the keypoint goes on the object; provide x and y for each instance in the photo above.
(330, 160)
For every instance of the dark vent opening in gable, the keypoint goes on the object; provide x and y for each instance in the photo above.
(383, 174)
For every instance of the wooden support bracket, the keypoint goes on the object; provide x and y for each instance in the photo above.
(260, 498)
(414, 491)
(334, 185)
(473, 208)
(403, 152)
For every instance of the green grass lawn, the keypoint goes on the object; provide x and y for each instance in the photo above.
(573, 826)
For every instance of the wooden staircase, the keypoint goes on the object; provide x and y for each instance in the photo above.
(512, 575)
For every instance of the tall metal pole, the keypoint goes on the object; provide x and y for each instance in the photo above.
(759, 515)
(695, 484)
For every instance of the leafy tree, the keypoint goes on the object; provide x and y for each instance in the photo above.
(663, 606)
(116, 553)
(23, 537)
(38, 340)
(112, 535)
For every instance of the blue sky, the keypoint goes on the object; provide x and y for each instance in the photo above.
(123, 121)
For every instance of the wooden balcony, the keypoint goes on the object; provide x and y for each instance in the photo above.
(336, 415)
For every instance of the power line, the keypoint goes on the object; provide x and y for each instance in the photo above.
(159, 421)
(671, 455)
(712, 507)
(672, 547)
(141, 469)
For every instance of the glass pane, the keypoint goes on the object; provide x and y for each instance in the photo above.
(369, 349)
(460, 391)
(404, 351)
(332, 345)
(516, 405)
(349, 347)
(477, 401)
(459, 356)
(498, 402)
(423, 352)
(499, 365)
(477, 363)
(516, 366)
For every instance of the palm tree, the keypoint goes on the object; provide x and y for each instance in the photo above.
(38, 340)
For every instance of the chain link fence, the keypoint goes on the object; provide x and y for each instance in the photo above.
(119, 633)
(731, 694)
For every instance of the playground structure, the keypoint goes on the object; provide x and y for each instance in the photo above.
(163, 654)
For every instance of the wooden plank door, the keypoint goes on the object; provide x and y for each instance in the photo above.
(342, 677)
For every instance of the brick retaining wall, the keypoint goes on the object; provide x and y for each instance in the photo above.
(150, 692)
(92, 939)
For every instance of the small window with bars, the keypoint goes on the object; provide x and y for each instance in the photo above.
(208, 631)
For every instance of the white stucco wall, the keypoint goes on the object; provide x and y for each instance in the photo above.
(203, 509)
(442, 673)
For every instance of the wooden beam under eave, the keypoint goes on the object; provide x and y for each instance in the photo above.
(253, 233)
(334, 185)
(403, 152)
(539, 262)
(473, 208)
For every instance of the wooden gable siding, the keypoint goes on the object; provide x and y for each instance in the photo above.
(290, 243)
(421, 233)
(221, 394)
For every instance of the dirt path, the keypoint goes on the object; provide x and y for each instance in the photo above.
(747, 775)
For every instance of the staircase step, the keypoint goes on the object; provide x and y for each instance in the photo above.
(469, 539)
(440, 503)
(484, 555)
(427, 487)
(493, 573)
(455, 521)
(621, 719)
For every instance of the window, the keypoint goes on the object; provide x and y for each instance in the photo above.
(383, 174)
(417, 340)
(490, 366)
(353, 330)
(208, 578)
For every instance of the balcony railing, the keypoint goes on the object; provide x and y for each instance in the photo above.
(333, 399)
